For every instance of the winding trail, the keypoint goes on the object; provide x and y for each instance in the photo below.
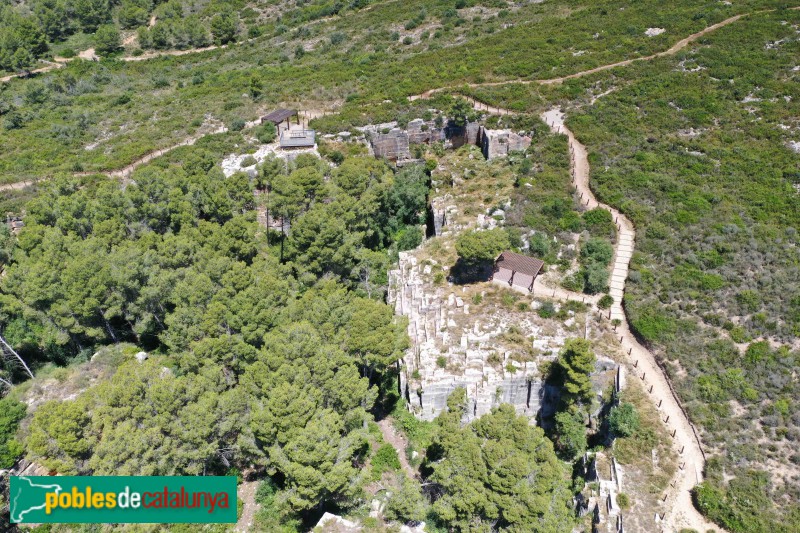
(146, 158)
(672, 50)
(125, 172)
(641, 361)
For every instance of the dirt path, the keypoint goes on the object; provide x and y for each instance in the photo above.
(680, 45)
(641, 362)
(399, 442)
(51, 66)
(125, 172)
(17, 185)
(623, 248)
(247, 494)
(670, 51)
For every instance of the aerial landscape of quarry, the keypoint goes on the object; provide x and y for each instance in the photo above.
(400, 266)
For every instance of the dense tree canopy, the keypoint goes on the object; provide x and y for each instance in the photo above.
(481, 246)
(255, 363)
(498, 473)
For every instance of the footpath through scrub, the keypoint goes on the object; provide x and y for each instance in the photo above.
(642, 362)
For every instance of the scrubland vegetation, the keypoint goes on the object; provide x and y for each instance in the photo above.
(699, 160)
(259, 341)
(696, 150)
(101, 115)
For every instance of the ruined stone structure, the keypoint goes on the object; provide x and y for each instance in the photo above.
(606, 513)
(498, 143)
(451, 348)
(394, 143)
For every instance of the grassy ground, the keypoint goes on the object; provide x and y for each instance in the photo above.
(133, 108)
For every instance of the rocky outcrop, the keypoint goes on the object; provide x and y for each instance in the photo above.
(451, 349)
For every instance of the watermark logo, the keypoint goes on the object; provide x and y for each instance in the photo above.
(122, 499)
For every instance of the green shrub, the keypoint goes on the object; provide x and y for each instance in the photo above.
(599, 222)
(623, 420)
(546, 309)
(573, 283)
(11, 413)
(267, 133)
(570, 434)
(595, 277)
(441, 361)
(406, 504)
(107, 39)
(385, 460)
(409, 238)
(597, 250)
(739, 334)
(605, 302)
(623, 501)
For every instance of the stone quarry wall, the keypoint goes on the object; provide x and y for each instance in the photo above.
(394, 143)
(441, 326)
(498, 143)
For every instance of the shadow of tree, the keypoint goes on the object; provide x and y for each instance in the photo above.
(464, 272)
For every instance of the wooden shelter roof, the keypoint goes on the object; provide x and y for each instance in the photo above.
(519, 263)
(279, 115)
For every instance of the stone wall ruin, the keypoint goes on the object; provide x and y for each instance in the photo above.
(394, 143)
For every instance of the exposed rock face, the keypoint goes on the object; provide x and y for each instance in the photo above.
(393, 143)
(498, 143)
(440, 332)
(331, 523)
(233, 162)
(420, 131)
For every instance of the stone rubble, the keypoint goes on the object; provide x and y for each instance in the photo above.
(233, 163)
